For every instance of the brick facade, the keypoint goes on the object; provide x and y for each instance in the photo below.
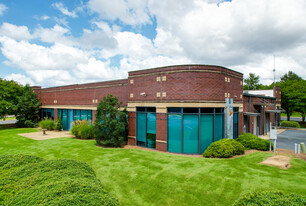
(181, 86)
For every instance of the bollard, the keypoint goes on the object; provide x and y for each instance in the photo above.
(302, 145)
(299, 148)
(295, 148)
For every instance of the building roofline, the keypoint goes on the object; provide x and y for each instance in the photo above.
(254, 95)
(182, 65)
(108, 81)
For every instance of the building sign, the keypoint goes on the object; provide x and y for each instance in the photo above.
(229, 114)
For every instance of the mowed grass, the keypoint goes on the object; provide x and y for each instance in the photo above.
(138, 177)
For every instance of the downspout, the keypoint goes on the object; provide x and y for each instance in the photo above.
(249, 117)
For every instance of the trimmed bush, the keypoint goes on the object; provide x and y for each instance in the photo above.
(82, 130)
(30, 180)
(30, 124)
(224, 148)
(251, 141)
(271, 198)
(59, 124)
(290, 124)
(47, 124)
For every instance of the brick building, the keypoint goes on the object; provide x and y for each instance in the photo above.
(176, 108)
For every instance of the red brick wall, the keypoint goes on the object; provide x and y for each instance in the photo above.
(161, 126)
(189, 83)
(161, 146)
(83, 94)
(132, 124)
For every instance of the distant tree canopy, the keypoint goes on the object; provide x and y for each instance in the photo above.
(18, 100)
(293, 94)
(293, 91)
(252, 82)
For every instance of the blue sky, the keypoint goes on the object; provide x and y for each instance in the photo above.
(51, 43)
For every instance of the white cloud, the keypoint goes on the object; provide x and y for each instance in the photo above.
(57, 34)
(132, 12)
(21, 79)
(2, 9)
(44, 17)
(47, 77)
(15, 32)
(95, 70)
(29, 56)
(60, 6)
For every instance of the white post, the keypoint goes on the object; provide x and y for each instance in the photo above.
(299, 148)
(295, 148)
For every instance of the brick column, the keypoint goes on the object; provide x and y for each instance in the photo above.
(93, 116)
(132, 128)
(55, 115)
(161, 131)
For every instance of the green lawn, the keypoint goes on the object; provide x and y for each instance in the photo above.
(294, 114)
(138, 177)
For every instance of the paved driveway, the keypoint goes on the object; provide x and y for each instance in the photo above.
(286, 139)
(8, 122)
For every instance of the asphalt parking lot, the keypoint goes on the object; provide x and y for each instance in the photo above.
(288, 138)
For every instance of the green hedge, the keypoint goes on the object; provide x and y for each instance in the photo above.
(224, 148)
(251, 141)
(271, 198)
(30, 180)
(83, 130)
(47, 124)
(290, 124)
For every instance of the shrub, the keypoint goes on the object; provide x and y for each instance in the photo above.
(270, 198)
(30, 124)
(59, 124)
(110, 122)
(31, 180)
(47, 124)
(290, 124)
(82, 130)
(251, 141)
(224, 148)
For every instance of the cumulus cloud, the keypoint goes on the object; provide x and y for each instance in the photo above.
(33, 57)
(233, 34)
(2, 9)
(60, 6)
(15, 32)
(21, 79)
(132, 12)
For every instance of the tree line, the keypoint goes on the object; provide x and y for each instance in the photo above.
(293, 89)
(20, 101)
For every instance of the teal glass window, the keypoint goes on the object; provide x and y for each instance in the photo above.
(141, 129)
(83, 114)
(218, 126)
(191, 133)
(151, 130)
(236, 125)
(175, 133)
(206, 131)
(77, 115)
(89, 115)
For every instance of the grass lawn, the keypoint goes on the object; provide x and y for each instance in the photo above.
(294, 114)
(138, 177)
(8, 118)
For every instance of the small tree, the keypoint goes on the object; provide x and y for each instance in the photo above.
(252, 82)
(110, 122)
(27, 107)
(59, 124)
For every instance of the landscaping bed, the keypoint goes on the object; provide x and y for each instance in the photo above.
(31, 180)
